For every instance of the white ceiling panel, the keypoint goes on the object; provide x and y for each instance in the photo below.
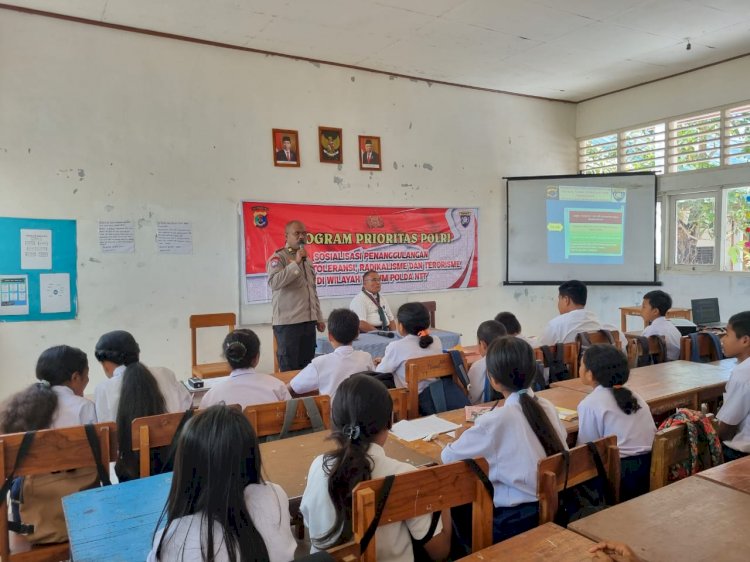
(564, 49)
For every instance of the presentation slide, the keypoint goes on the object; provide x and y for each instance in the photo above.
(585, 225)
(596, 228)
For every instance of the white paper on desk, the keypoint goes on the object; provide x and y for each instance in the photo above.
(36, 249)
(174, 237)
(54, 292)
(412, 430)
(117, 237)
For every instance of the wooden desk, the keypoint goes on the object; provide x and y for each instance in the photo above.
(626, 311)
(115, 522)
(693, 519)
(547, 542)
(735, 474)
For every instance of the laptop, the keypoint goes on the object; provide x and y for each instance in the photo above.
(706, 313)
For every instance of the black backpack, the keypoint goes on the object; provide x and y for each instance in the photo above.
(444, 394)
(558, 370)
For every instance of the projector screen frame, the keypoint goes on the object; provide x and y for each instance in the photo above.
(507, 282)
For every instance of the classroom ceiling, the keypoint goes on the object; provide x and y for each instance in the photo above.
(563, 49)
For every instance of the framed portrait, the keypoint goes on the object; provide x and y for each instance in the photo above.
(370, 155)
(285, 148)
(331, 145)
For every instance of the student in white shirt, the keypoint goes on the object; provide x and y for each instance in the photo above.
(56, 401)
(734, 415)
(614, 409)
(326, 372)
(479, 385)
(219, 508)
(371, 306)
(654, 310)
(115, 351)
(573, 318)
(414, 325)
(244, 386)
(513, 438)
(361, 418)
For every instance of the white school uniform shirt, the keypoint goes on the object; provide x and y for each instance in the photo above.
(392, 542)
(736, 408)
(663, 327)
(512, 449)
(326, 372)
(71, 409)
(107, 393)
(268, 507)
(246, 388)
(477, 375)
(399, 351)
(600, 416)
(367, 310)
(565, 327)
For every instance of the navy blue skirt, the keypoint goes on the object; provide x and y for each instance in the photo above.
(635, 476)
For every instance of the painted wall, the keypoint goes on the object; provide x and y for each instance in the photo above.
(97, 124)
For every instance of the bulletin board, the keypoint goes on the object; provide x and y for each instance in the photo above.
(38, 275)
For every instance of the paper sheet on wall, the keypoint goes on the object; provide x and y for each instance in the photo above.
(117, 237)
(14, 294)
(54, 293)
(412, 430)
(36, 249)
(174, 237)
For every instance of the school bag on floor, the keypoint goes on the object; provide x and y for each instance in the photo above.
(700, 431)
(444, 394)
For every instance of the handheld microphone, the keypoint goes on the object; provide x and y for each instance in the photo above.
(385, 334)
(301, 245)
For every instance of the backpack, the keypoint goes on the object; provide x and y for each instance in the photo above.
(444, 395)
(695, 346)
(643, 355)
(313, 413)
(699, 430)
(558, 370)
(584, 342)
(36, 501)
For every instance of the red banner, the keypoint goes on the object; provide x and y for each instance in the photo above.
(424, 249)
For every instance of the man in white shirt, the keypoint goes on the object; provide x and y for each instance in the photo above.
(115, 351)
(654, 310)
(573, 319)
(734, 415)
(371, 307)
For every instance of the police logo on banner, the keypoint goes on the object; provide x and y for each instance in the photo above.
(260, 217)
(465, 218)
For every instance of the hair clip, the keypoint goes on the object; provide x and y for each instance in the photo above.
(523, 391)
(616, 386)
(422, 333)
(351, 431)
(45, 383)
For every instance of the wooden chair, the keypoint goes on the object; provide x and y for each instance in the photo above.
(276, 368)
(421, 492)
(431, 307)
(706, 351)
(671, 447)
(209, 370)
(657, 347)
(596, 336)
(52, 450)
(551, 474)
(268, 419)
(152, 432)
(430, 367)
(348, 552)
(400, 397)
(570, 356)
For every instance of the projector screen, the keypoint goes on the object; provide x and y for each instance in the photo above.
(598, 229)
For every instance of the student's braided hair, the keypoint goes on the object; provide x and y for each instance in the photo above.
(609, 367)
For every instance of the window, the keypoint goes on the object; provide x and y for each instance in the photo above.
(736, 225)
(737, 135)
(694, 231)
(695, 142)
(598, 155)
(642, 150)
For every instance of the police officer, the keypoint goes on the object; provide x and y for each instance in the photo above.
(296, 308)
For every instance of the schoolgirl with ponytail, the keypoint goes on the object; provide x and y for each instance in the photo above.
(413, 323)
(614, 409)
(513, 438)
(244, 386)
(361, 417)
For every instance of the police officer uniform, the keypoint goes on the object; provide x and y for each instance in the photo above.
(296, 308)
